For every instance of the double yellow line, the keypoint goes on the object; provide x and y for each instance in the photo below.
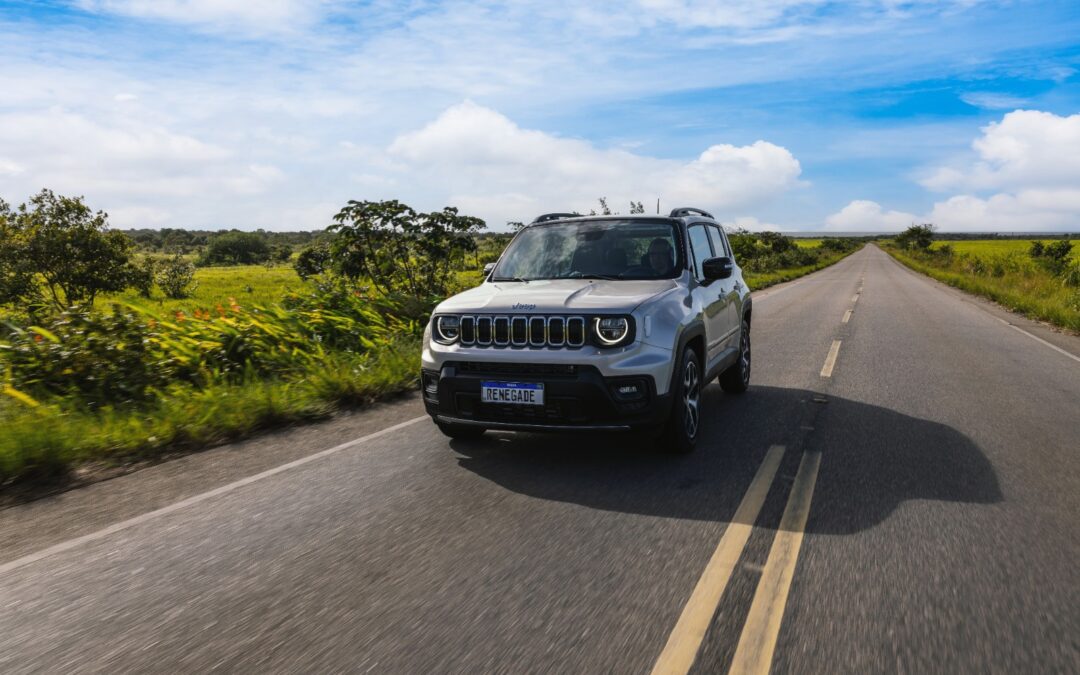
(758, 640)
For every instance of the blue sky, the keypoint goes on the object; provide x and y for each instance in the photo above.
(788, 114)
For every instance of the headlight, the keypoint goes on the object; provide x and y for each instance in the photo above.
(611, 330)
(447, 329)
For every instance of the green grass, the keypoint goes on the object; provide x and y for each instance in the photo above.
(1002, 272)
(807, 243)
(997, 246)
(758, 281)
(248, 284)
(45, 441)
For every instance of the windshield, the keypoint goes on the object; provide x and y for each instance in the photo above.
(593, 249)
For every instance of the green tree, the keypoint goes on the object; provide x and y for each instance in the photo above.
(17, 284)
(917, 237)
(398, 249)
(236, 248)
(72, 248)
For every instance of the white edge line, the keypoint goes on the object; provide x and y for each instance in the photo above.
(1072, 356)
(184, 503)
(970, 298)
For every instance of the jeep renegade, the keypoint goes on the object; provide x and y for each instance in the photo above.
(593, 323)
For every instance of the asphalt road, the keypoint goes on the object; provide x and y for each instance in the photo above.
(912, 507)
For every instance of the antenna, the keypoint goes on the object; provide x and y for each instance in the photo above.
(657, 206)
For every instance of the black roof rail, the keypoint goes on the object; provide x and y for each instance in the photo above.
(688, 211)
(555, 216)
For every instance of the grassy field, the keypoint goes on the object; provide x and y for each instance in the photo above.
(247, 284)
(1002, 271)
(996, 246)
(807, 243)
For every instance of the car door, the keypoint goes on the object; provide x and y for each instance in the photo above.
(708, 294)
(728, 288)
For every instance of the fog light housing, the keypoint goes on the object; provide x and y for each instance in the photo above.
(429, 382)
(629, 390)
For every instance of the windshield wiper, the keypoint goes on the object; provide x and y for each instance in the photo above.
(605, 277)
(524, 281)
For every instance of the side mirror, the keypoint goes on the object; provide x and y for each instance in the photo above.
(717, 268)
(488, 269)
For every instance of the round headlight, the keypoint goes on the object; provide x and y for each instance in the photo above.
(447, 329)
(611, 330)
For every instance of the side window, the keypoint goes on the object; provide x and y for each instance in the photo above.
(699, 242)
(718, 243)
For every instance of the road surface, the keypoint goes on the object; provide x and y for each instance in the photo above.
(898, 491)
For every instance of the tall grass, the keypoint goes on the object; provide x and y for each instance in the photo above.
(44, 441)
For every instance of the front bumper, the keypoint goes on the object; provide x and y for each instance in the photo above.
(576, 398)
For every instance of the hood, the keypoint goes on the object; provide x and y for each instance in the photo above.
(556, 296)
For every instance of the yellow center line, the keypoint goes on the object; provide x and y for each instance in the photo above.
(830, 360)
(685, 639)
(758, 640)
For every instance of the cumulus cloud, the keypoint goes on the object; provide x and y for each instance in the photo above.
(863, 215)
(485, 163)
(1024, 176)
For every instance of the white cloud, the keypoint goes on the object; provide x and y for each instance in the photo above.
(1026, 148)
(993, 100)
(259, 17)
(483, 162)
(863, 215)
(1029, 163)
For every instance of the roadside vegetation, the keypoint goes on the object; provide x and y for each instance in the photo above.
(121, 346)
(1039, 277)
(769, 258)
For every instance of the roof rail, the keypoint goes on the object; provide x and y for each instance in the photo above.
(555, 216)
(688, 211)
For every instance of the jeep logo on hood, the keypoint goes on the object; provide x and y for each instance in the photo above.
(525, 306)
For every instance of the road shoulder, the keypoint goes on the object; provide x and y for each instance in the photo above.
(29, 527)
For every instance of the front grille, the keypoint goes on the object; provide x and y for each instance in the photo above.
(520, 331)
(478, 368)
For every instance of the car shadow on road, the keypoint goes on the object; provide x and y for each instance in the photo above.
(873, 460)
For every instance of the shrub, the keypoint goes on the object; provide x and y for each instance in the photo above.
(312, 261)
(141, 275)
(100, 357)
(916, 237)
(176, 277)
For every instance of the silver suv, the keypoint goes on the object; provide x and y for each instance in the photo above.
(593, 323)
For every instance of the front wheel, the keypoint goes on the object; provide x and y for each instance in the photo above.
(736, 379)
(461, 432)
(680, 433)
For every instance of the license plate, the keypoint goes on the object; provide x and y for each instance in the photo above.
(514, 393)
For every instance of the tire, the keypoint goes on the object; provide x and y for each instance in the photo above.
(680, 433)
(461, 432)
(736, 379)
